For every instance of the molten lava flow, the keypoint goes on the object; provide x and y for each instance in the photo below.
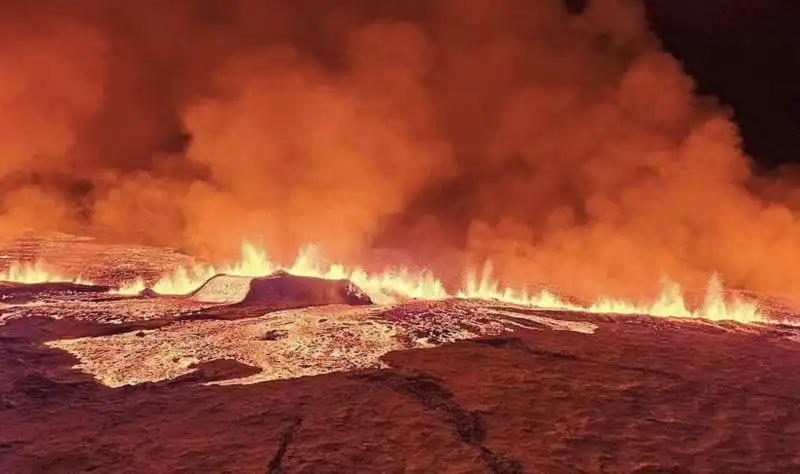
(391, 286)
(37, 272)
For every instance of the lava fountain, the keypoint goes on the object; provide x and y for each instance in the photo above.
(390, 286)
(37, 272)
(401, 284)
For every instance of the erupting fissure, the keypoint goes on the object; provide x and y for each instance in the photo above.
(391, 286)
(37, 272)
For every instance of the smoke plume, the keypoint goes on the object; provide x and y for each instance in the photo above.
(556, 139)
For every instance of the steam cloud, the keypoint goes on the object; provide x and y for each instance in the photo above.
(557, 140)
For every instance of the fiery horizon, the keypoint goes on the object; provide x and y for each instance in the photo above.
(397, 285)
(566, 147)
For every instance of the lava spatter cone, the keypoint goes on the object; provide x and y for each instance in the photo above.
(279, 287)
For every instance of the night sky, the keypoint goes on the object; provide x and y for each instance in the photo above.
(747, 53)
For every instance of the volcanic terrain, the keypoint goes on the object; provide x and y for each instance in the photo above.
(285, 373)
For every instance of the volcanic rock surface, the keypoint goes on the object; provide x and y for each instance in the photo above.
(286, 374)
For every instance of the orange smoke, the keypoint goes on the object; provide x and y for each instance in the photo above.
(51, 82)
(568, 149)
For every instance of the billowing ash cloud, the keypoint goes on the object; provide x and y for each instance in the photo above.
(556, 139)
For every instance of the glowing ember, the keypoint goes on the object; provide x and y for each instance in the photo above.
(389, 286)
(37, 272)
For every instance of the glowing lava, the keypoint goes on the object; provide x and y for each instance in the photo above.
(670, 303)
(38, 272)
(390, 286)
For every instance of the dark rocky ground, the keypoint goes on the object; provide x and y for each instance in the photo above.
(638, 395)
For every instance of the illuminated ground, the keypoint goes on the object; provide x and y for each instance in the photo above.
(91, 381)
